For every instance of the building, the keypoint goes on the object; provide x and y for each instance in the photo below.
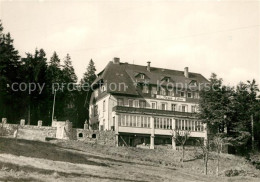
(146, 105)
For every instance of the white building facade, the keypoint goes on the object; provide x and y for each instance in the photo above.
(146, 105)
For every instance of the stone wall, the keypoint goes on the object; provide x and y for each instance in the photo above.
(95, 136)
(32, 132)
(36, 133)
(29, 132)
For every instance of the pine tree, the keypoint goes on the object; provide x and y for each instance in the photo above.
(70, 78)
(54, 69)
(55, 78)
(34, 71)
(9, 69)
(214, 104)
(83, 97)
(68, 71)
(89, 76)
(229, 111)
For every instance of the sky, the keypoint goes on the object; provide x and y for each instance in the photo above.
(207, 36)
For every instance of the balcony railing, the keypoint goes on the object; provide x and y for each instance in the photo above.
(155, 112)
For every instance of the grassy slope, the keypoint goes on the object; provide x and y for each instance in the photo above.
(24, 160)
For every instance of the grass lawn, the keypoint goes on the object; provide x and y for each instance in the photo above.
(59, 160)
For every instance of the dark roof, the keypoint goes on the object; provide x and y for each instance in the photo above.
(128, 74)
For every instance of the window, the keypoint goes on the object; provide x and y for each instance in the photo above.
(136, 103)
(120, 102)
(80, 135)
(193, 108)
(167, 79)
(154, 105)
(145, 89)
(162, 91)
(113, 126)
(164, 106)
(130, 103)
(170, 93)
(101, 127)
(95, 110)
(154, 90)
(103, 88)
(142, 104)
(183, 108)
(182, 94)
(104, 105)
(142, 76)
(189, 95)
(174, 107)
(193, 83)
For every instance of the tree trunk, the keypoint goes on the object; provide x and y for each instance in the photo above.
(218, 163)
(182, 159)
(206, 164)
(29, 114)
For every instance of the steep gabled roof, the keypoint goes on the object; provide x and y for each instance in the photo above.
(116, 74)
(116, 79)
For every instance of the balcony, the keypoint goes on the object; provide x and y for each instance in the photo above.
(156, 112)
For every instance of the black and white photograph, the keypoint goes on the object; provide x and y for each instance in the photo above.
(129, 90)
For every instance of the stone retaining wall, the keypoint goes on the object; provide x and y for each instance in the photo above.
(32, 132)
(99, 137)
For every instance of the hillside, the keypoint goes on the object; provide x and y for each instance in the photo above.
(24, 160)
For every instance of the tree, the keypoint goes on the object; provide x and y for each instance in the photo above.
(89, 76)
(204, 145)
(244, 104)
(229, 110)
(9, 69)
(69, 77)
(34, 68)
(181, 137)
(68, 71)
(84, 94)
(214, 105)
(218, 141)
(55, 80)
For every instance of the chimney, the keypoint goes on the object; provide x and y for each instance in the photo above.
(116, 60)
(148, 65)
(186, 72)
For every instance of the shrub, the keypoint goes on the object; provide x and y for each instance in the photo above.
(233, 172)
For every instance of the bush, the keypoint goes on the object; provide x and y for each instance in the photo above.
(233, 172)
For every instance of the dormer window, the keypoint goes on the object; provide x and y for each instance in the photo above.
(145, 89)
(182, 94)
(167, 79)
(103, 88)
(162, 91)
(154, 90)
(193, 83)
(142, 76)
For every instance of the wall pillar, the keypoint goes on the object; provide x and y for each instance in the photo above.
(152, 133)
(85, 125)
(67, 131)
(39, 123)
(4, 120)
(116, 130)
(173, 134)
(22, 122)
